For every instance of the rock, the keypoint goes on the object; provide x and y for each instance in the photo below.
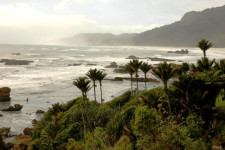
(28, 131)
(21, 142)
(1, 115)
(158, 59)
(39, 111)
(132, 57)
(120, 70)
(89, 64)
(17, 107)
(179, 52)
(9, 145)
(15, 54)
(74, 64)
(118, 79)
(134, 79)
(5, 94)
(5, 131)
(15, 62)
(34, 122)
(112, 65)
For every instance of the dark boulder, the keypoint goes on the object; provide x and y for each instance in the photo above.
(16, 107)
(5, 94)
(1, 115)
(120, 70)
(39, 111)
(15, 54)
(112, 65)
(5, 131)
(28, 131)
(15, 62)
(34, 122)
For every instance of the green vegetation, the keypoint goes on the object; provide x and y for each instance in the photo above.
(145, 68)
(180, 116)
(135, 64)
(204, 45)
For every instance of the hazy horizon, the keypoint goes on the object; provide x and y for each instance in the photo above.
(37, 22)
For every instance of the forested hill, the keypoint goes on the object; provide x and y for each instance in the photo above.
(193, 26)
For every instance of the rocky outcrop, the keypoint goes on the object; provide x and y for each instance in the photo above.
(1, 115)
(179, 52)
(39, 111)
(28, 131)
(5, 131)
(5, 94)
(112, 65)
(74, 64)
(34, 122)
(134, 79)
(15, 62)
(15, 54)
(132, 57)
(158, 59)
(22, 142)
(120, 70)
(16, 107)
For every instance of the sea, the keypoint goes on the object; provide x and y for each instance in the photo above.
(49, 79)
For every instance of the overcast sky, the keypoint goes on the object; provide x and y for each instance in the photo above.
(38, 21)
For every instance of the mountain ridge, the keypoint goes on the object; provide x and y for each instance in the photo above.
(190, 29)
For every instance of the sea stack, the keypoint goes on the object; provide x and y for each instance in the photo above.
(5, 94)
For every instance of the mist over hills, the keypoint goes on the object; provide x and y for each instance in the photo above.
(193, 26)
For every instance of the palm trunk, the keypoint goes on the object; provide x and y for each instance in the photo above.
(101, 91)
(204, 53)
(83, 95)
(137, 80)
(131, 84)
(94, 90)
(84, 126)
(166, 90)
(145, 82)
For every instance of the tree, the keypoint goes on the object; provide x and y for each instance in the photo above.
(203, 64)
(93, 74)
(83, 84)
(220, 66)
(145, 68)
(135, 64)
(130, 70)
(204, 45)
(165, 72)
(100, 77)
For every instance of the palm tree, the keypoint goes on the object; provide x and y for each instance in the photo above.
(100, 77)
(145, 68)
(131, 71)
(165, 72)
(204, 45)
(220, 66)
(83, 84)
(203, 64)
(135, 64)
(93, 74)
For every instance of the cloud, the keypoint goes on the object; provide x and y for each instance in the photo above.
(19, 23)
(63, 4)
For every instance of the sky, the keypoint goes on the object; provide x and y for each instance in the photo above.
(40, 21)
